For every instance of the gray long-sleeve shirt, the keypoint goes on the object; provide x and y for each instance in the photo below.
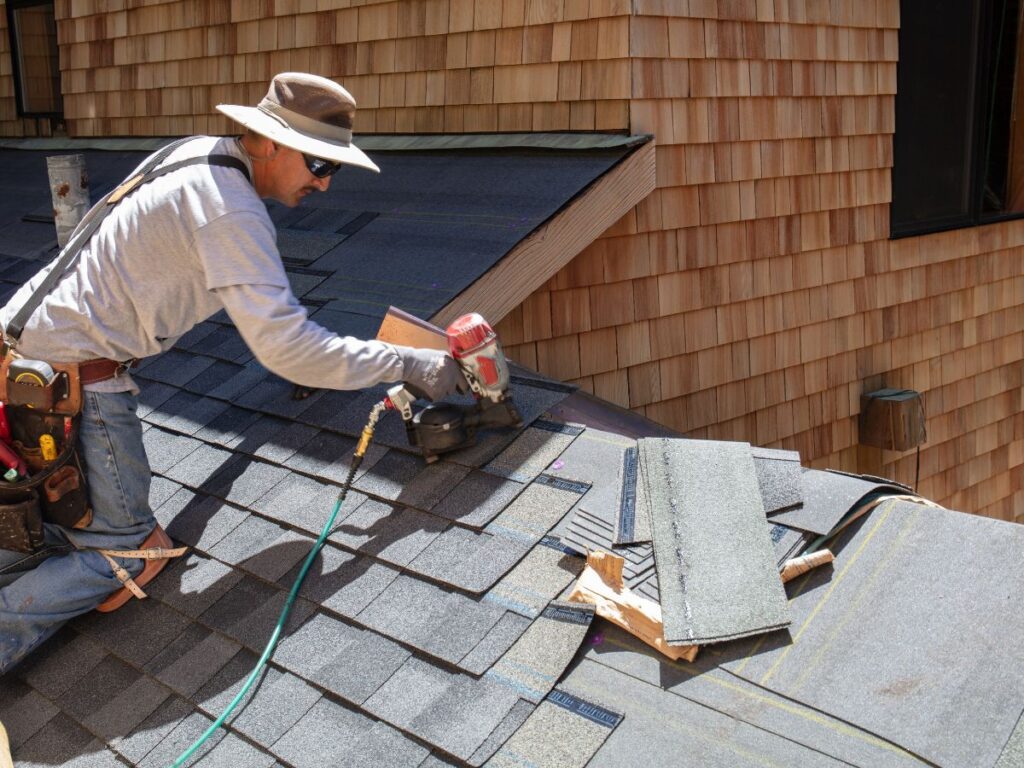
(170, 255)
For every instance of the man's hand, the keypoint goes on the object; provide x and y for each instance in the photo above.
(430, 374)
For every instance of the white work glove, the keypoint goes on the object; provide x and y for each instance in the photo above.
(430, 374)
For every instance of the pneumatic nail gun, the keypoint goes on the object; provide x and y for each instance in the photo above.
(442, 427)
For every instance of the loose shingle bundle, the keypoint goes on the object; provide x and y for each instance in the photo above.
(716, 567)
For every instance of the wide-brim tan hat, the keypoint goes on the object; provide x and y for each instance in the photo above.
(306, 112)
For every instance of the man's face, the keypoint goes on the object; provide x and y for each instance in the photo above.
(289, 180)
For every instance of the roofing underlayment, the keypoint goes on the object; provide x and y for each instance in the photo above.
(433, 630)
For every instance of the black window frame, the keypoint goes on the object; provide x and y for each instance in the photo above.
(982, 58)
(19, 97)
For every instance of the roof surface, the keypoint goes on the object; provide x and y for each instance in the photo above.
(432, 630)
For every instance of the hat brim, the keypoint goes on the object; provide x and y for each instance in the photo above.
(273, 129)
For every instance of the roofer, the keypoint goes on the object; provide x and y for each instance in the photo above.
(172, 250)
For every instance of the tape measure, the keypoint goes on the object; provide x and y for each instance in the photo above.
(35, 372)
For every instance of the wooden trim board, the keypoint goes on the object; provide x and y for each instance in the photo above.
(555, 243)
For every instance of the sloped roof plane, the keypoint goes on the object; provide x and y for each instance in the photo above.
(433, 629)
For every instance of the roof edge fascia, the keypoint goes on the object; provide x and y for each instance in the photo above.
(550, 247)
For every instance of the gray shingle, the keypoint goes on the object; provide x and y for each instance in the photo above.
(410, 691)
(231, 751)
(192, 659)
(177, 368)
(389, 475)
(23, 711)
(432, 484)
(181, 737)
(250, 610)
(193, 583)
(113, 698)
(152, 730)
(324, 412)
(498, 640)
(160, 490)
(542, 575)
(274, 439)
(393, 534)
(187, 413)
(198, 520)
(226, 343)
(324, 456)
(477, 499)
(343, 582)
(533, 450)
(262, 548)
(276, 706)
(249, 376)
(192, 340)
(716, 569)
(556, 736)
(778, 476)
(68, 657)
(313, 644)
(533, 513)
(63, 742)
(166, 449)
(383, 745)
(152, 395)
(538, 658)
(464, 715)
(243, 480)
(219, 691)
(324, 736)
(199, 465)
(469, 560)
(358, 670)
(444, 624)
(509, 725)
(139, 631)
(227, 428)
(305, 503)
(212, 377)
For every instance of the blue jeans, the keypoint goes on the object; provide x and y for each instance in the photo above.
(39, 592)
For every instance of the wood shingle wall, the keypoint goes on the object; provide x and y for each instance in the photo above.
(754, 296)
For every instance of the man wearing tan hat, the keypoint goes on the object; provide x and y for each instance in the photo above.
(185, 236)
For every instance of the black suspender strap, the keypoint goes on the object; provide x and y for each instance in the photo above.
(88, 226)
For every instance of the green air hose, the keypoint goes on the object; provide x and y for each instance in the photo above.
(357, 458)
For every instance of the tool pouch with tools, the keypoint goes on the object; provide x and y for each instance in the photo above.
(53, 487)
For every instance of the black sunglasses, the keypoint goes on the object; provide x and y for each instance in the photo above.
(319, 167)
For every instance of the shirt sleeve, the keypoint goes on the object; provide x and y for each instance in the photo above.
(286, 341)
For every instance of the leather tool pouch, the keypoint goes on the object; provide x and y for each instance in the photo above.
(55, 490)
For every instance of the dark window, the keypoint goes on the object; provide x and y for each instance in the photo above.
(959, 143)
(33, 32)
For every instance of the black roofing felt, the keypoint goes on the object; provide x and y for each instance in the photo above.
(430, 631)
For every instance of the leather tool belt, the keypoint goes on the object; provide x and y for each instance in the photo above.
(42, 433)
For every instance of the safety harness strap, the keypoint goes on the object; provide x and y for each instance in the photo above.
(88, 226)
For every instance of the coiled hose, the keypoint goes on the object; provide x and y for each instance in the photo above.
(357, 459)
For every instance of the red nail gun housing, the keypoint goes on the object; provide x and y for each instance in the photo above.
(443, 427)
